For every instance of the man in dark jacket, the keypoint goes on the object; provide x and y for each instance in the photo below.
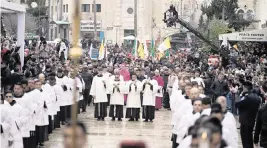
(248, 107)
(87, 78)
(16, 76)
(219, 87)
(261, 122)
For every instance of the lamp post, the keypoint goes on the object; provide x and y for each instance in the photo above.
(35, 5)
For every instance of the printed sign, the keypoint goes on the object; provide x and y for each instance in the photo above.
(94, 54)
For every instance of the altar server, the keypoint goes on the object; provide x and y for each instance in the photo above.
(23, 100)
(149, 90)
(188, 119)
(99, 93)
(117, 89)
(5, 123)
(20, 117)
(134, 88)
(62, 80)
(75, 82)
(229, 123)
(59, 99)
(29, 101)
(42, 120)
(50, 101)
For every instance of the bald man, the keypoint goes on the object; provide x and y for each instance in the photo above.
(42, 78)
(194, 93)
(228, 123)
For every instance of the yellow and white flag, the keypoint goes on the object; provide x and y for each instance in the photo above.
(166, 44)
(101, 54)
(141, 52)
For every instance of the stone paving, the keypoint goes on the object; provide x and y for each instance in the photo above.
(108, 134)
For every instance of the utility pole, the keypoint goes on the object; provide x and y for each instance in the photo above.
(135, 18)
(153, 23)
(95, 32)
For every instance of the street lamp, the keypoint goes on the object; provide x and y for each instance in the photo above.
(35, 5)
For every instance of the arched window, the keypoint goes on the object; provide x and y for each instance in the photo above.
(250, 15)
(240, 13)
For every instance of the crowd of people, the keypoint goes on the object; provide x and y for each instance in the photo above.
(204, 99)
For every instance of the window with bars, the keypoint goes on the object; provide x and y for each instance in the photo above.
(98, 8)
(85, 7)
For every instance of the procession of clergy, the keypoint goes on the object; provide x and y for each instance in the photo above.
(37, 106)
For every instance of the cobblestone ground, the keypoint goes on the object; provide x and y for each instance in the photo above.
(108, 134)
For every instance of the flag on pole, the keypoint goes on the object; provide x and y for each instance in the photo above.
(152, 49)
(167, 53)
(101, 51)
(141, 52)
(90, 50)
(145, 49)
(166, 44)
(134, 50)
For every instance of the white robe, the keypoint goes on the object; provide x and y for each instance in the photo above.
(32, 107)
(175, 101)
(229, 123)
(21, 117)
(29, 106)
(184, 108)
(117, 98)
(199, 81)
(60, 96)
(81, 86)
(206, 111)
(149, 96)
(50, 99)
(186, 121)
(78, 86)
(107, 77)
(62, 81)
(98, 91)
(42, 113)
(133, 98)
(186, 142)
(6, 122)
(67, 94)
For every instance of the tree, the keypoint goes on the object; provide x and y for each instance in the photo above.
(217, 27)
(11, 24)
(229, 7)
(38, 13)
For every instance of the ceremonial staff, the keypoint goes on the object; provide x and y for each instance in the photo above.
(75, 54)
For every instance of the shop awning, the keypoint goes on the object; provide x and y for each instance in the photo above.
(60, 22)
(259, 35)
